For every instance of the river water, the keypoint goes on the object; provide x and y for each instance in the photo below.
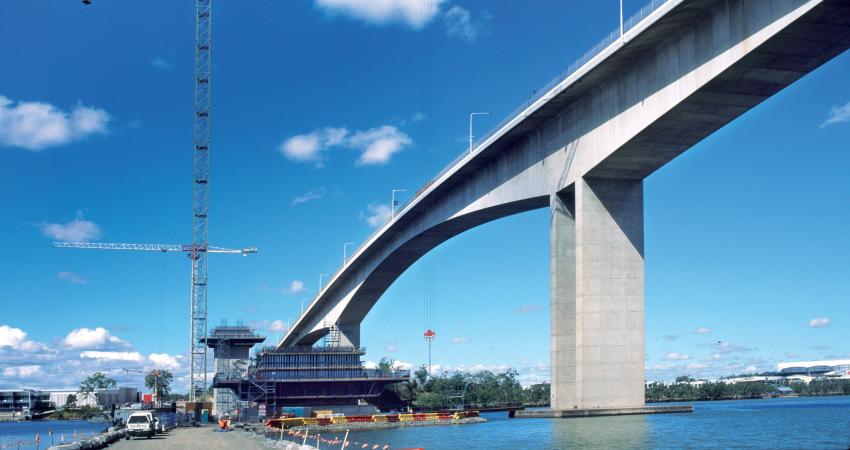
(11, 433)
(783, 423)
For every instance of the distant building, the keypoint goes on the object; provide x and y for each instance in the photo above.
(809, 370)
(103, 398)
(24, 403)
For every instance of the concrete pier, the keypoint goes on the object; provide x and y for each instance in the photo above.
(597, 295)
(574, 413)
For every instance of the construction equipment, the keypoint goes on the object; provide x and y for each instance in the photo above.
(151, 247)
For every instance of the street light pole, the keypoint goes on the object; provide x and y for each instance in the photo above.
(320, 281)
(621, 20)
(393, 203)
(345, 251)
(302, 306)
(470, 126)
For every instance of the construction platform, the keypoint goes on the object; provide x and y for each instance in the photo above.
(572, 413)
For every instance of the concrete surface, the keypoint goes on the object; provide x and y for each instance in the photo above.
(201, 438)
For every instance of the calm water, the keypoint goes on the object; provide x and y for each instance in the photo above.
(793, 423)
(11, 432)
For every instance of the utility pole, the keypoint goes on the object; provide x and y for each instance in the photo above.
(470, 126)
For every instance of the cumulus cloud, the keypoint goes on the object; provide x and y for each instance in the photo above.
(71, 277)
(819, 322)
(21, 371)
(702, 330)
(164, 360)
(11, 337)
(295, 287)
(77, 230)
(111, 356)
(376, 145)
(36, 125)
(272, 326)
(413, 13)
(90, 338)
(376, 214)
(40, 366)
(673, 356)
(837, 114)
(458, 22)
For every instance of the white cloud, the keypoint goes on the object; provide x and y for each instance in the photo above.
(459, 23)
(702, 330)
(309, 196)
(164, 360)
(418, 117)
(112, 356)
(837, 114)
(391, 347)
(277, 326)
(697, 366)
(71, 277)
(21, 371)
(460, 340)
(672, 356)
(376, 145)
(819, 322)
(272, 326)
(11, 337)
(413, 13)
(90, 338)
(296, 287)
(376, 214)
(36, 125)
(77, 230)
(160, 63)
(751, 368)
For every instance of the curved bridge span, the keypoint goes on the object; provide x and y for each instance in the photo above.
(582, 149)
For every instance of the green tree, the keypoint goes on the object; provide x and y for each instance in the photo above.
(95, 381)
(70, 400)
(160, 381)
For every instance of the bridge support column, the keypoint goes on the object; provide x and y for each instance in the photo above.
(597, 295)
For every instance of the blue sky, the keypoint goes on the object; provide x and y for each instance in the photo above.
(320, 109)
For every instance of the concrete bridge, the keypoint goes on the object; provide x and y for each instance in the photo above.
(582, 149)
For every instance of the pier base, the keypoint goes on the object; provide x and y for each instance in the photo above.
(570, 413)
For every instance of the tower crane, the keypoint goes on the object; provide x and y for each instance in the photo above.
(197, 251)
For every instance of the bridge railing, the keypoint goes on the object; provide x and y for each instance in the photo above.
(606, 42)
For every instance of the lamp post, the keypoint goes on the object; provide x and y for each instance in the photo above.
(345, 251)
(393, 203)
(470, 126)
(621, 20)
(320, 281)
(302, 306)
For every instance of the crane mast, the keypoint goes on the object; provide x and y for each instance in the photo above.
(200, 203)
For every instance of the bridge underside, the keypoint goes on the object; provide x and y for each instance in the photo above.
(584, 153)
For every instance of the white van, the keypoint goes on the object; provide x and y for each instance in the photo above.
(142, 423)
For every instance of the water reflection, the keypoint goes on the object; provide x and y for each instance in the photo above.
(623, 432)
